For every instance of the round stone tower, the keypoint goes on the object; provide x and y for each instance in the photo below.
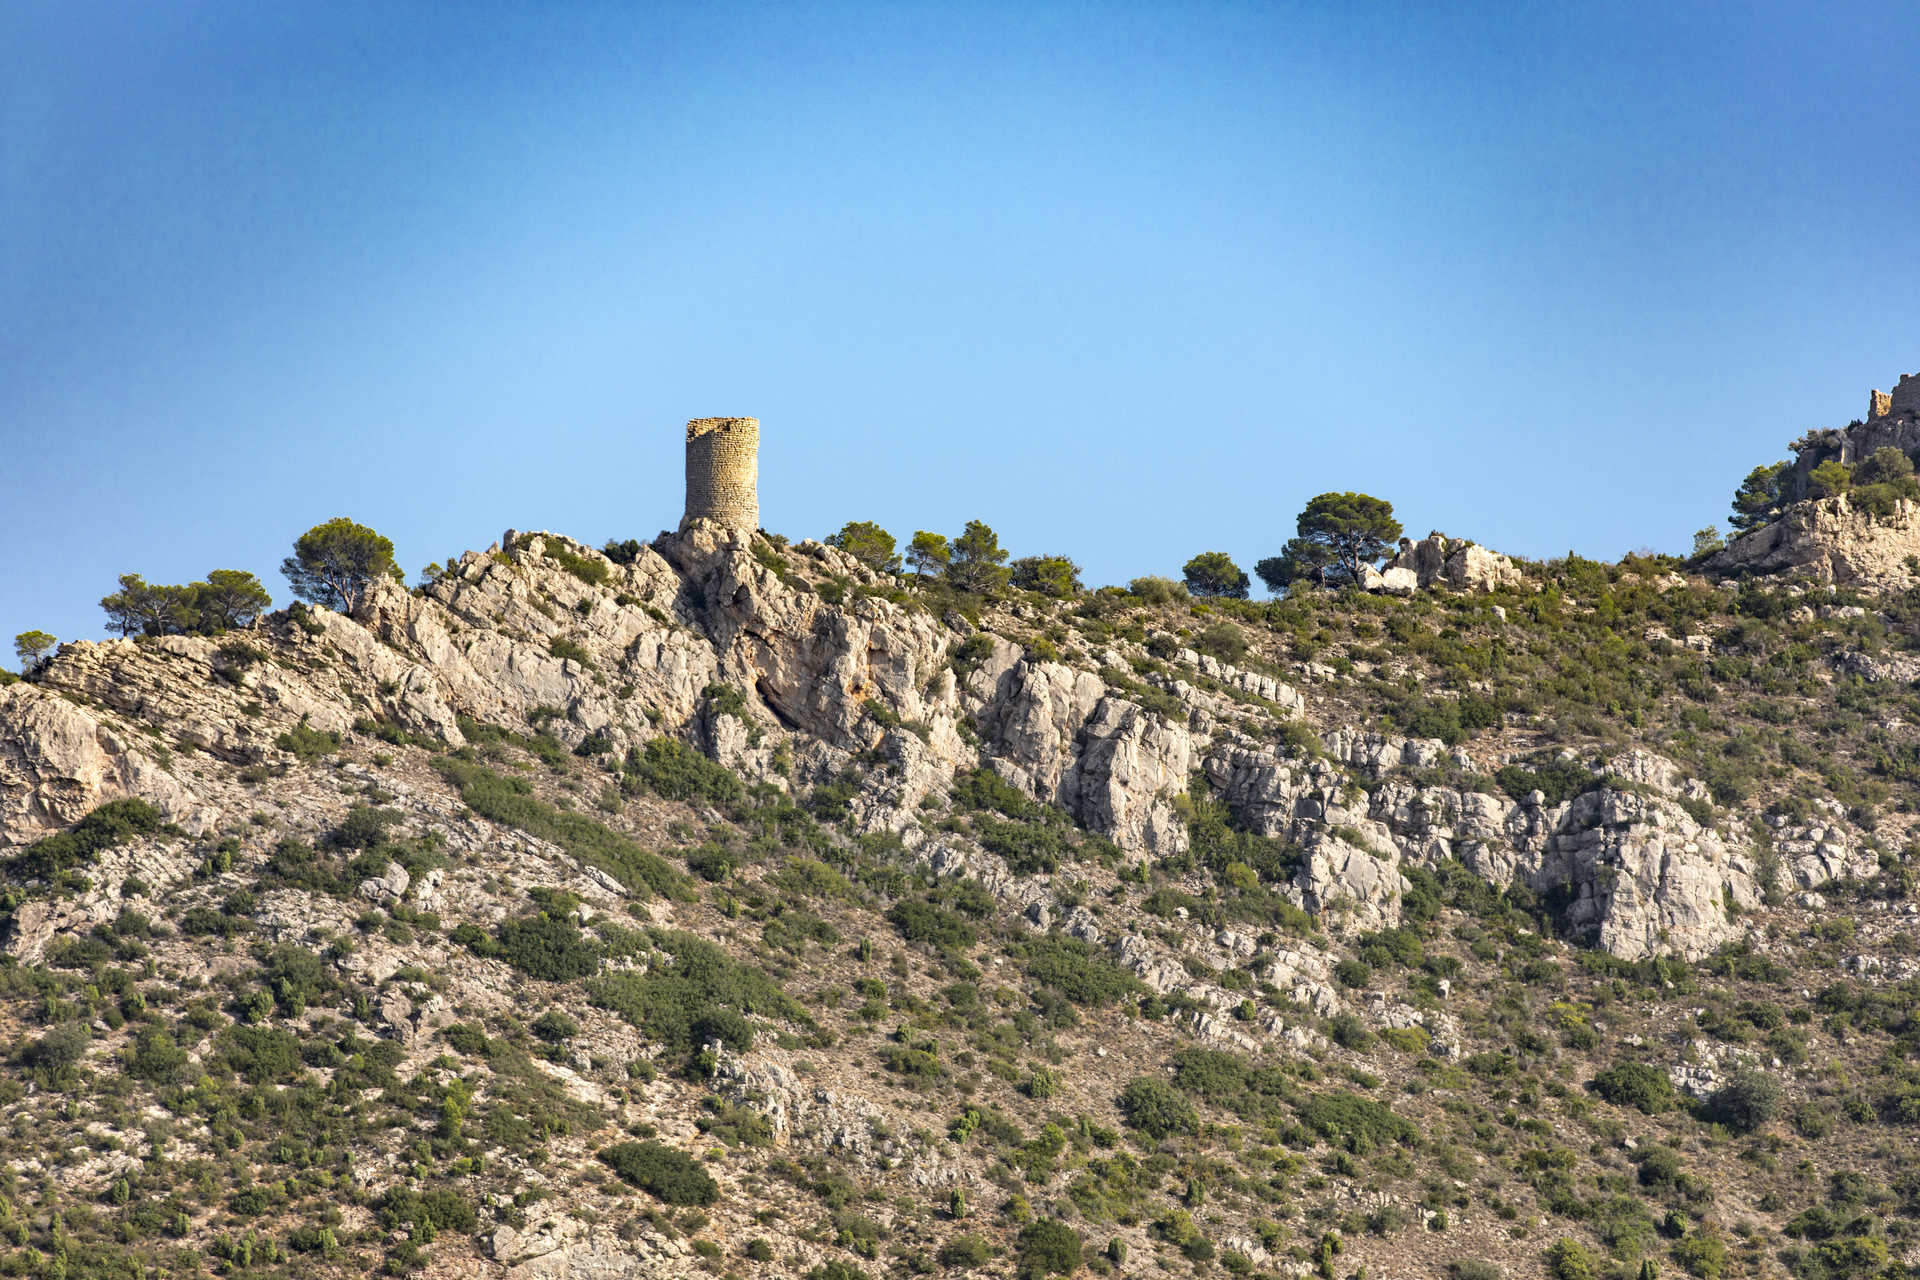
(723, 472)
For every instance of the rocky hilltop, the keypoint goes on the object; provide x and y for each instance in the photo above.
(1814, 523)
(731, 907)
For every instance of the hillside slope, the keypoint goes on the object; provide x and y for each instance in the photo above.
(734, 909)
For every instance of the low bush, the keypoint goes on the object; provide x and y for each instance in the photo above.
(1156, 1108)
(700, 996)
(549, 949)
(113, 823)
(511, 800)
(1077, 971)
(307, 743)
(590, 571)
(1748, 1101)
(1360, 1124)
(1635, 1084)
(1048, 1247)
(666, 1174)
(676, 771)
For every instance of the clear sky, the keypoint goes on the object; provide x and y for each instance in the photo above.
(1125, 281)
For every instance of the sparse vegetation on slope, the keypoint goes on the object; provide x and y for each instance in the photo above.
(720, 976)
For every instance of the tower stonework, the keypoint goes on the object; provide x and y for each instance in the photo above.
(1879, 405)
(723, 472)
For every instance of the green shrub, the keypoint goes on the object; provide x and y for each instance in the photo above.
(676, 771)
(1156, 1108)
(260, 1055)
(1048, 1247)
(1353, 974)
(1559, 780)
(1359, 1123)
(113, 823)
(155, 1056)
(623, 552)
(929, 923)
(1571, 1260)
(834, 1269)
(364, 827)
(569, 650)
(1028, 848)
(1635, 1084)
(590, 571)
(700, 996)
(1055, 576)
(1222, 640)
(306, 743)
(58, 1050)
(984, 790)
(440, 1209)
(1077, 971)
(511, 800)
(1748, 1101)
(549, 949)
(662, 1172)
(1473, 1269)
(964, 1253)
(1157, 591)
(1349, 1031)
(1702, 1255)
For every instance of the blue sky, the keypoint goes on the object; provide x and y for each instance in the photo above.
(1125, 281)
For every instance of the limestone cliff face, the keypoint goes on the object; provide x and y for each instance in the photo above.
(712, 637)
(1831, 541)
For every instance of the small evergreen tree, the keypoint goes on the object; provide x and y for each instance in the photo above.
(144, 608)
(1758, 497)
(1354, 529)
(1213, 573)
(868, 543)
(929, 554)
(979, 563)
(333, 564)
(228, 600)
(1300, 561)
(1886, 465)
(1831, 478)
(32, 647)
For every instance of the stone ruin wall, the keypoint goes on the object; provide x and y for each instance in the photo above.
(1905, 399)
(1902, 402)
(723, 472)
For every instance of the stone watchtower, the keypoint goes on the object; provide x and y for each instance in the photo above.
(723, 472)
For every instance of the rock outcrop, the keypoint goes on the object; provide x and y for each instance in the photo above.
(1830, 541)
(1437, 560)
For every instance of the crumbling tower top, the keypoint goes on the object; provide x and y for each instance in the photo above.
(1902, 401)
(723, 472)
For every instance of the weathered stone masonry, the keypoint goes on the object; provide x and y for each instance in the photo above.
(1902, 401)
(723, 472)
